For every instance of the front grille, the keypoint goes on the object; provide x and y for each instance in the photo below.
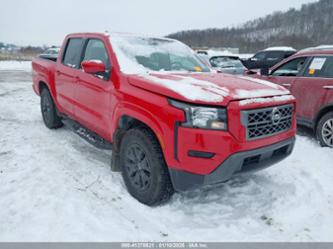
(260, 123)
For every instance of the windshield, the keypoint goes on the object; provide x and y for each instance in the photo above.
(225, 62)
(142, 54)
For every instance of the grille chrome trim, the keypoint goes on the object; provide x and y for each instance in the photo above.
(266, 122)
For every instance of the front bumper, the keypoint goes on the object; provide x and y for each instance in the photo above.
(240, 162)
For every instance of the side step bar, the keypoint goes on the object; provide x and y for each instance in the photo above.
(88, 135)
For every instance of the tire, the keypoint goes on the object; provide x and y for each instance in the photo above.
(143, 167)
(49, 111)
(325, 130)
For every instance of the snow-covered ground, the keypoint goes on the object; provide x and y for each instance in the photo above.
(56, 187)
(15, 65)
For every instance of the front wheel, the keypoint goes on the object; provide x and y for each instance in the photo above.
(325, 130)
(143, 167)
(49, 111)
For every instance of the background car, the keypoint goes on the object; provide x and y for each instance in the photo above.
(268, 57)
(50, 53)
(309, 76)
(227, 64)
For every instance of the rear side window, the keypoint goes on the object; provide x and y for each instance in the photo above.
(96, 50)
(320, 67)
(73, 52)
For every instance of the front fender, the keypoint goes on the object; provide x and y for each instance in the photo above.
(141, 114)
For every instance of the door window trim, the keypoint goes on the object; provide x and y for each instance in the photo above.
(106, 77)
(310, 60)
(299, 74)
(85, 47)
(77, 67)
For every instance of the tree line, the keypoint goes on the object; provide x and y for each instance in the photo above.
(311, 25)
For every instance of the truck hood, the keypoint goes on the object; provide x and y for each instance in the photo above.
(206, 88)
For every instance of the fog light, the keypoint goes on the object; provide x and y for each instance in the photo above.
(218, 125)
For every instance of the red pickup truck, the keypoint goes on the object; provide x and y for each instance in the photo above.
(172, 124)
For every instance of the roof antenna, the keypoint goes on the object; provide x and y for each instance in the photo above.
(107, 33)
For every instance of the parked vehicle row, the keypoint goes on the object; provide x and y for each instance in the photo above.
(229, 64)
(172, 123)
(307, 74)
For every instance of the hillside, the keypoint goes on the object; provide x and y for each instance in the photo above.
(308, 26)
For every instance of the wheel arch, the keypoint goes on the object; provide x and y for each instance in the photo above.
(323, 111)
(41, 86)
(126, 122)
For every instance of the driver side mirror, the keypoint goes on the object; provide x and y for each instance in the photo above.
(93, 67)
(264, 71)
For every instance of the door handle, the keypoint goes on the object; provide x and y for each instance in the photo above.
(286, 84)
(58, 72)
(328, 87)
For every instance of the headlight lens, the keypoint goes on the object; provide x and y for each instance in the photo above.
(202, 117)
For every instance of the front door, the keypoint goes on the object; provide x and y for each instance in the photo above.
(93, 92)
(286, 74)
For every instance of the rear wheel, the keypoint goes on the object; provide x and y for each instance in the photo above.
(325, 130)
(143, 167)
(49, 111)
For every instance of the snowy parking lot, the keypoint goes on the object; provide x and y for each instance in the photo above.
(54, 186)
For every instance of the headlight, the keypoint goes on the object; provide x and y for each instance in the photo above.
(202, 117)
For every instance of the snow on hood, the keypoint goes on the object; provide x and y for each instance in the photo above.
(207, 87)
(192, 89)
(272, 89)
(266, 100)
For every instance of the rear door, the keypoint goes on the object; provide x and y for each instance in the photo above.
(314, 89)
(93, 92)
(66, 74)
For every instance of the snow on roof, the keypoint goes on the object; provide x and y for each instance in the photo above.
(280, 49)
(124, 35)
(320, 47)
(213, 53)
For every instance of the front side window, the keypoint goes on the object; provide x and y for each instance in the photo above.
(260, 56)
(73, 52)
(274, 55)
(95, 50)
(320, 66)
(291, 68)
(143, 54)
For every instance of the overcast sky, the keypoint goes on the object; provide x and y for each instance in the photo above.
(38, 22)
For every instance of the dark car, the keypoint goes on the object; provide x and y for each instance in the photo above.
(268, 57)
